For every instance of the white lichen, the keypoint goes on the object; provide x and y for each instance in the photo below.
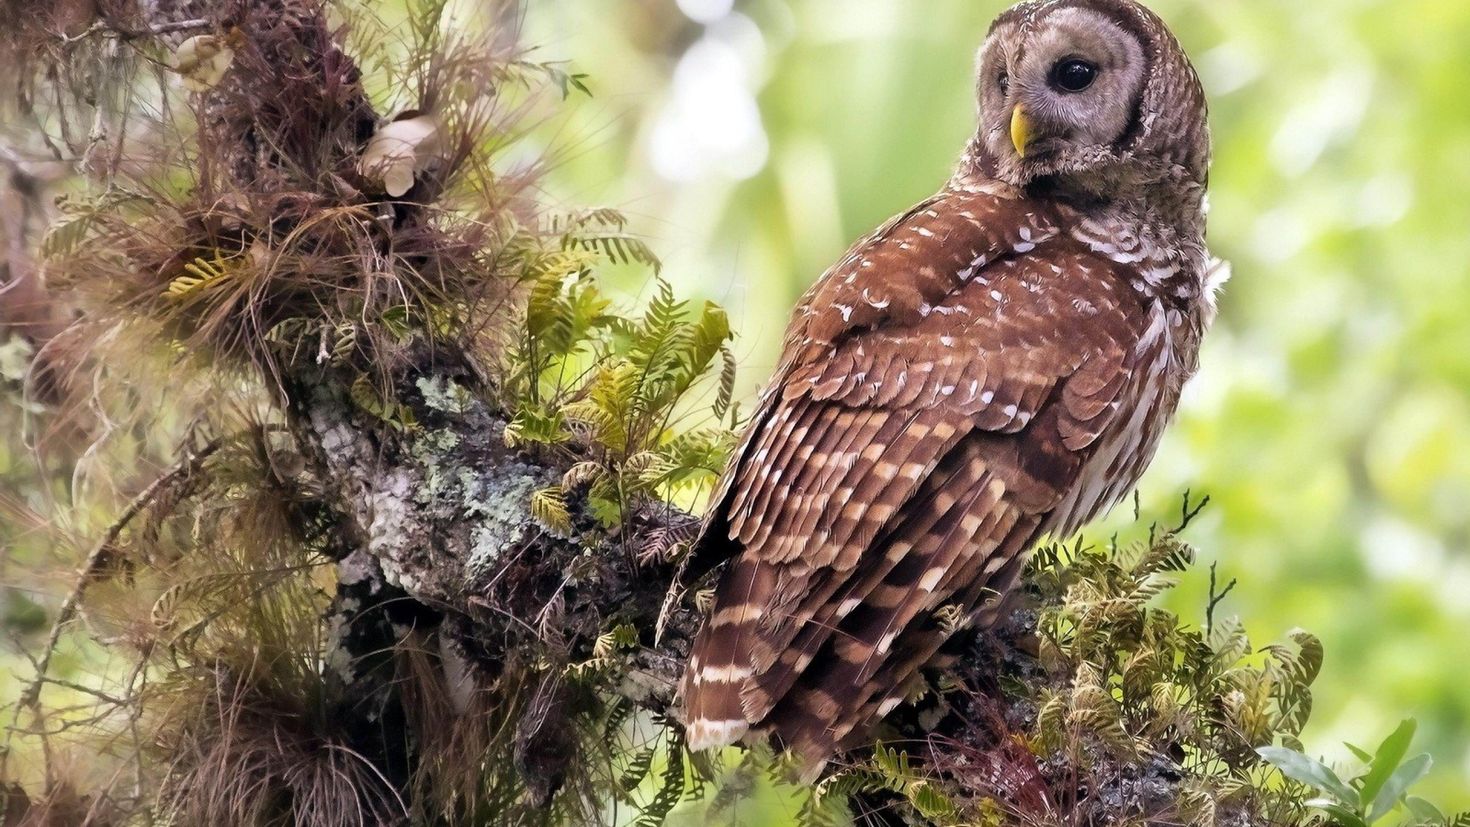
(391, 508)
(445, 395)
(501, 506)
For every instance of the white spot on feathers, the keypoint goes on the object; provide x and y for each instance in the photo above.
(931, 578)
(725, 674)
(703, 734)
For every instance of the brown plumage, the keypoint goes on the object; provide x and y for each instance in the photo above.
(993, 365)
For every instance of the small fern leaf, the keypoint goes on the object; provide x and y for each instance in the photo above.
(549, 509)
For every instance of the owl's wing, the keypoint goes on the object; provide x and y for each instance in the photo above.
(940, 390)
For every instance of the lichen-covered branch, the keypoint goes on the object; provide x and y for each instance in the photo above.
(442, 512)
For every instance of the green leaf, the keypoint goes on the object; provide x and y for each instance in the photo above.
(1310, 771)
(1390, 754)
(1341, 815)
(1398, 784)
(1310, 659)
(1424, 811)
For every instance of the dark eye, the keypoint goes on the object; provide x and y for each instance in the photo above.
(1004, 81)
(1073, 75)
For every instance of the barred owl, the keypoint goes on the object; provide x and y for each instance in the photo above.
(993, 365)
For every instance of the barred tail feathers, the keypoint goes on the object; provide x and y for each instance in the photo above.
(720, 663)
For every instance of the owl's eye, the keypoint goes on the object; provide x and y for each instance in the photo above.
(1073, 75)
(1004, 82)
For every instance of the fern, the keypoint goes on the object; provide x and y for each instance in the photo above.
(612, 384)
(639, 768)
(549, 508)
(672, 785)
(367, 397)
(1143, 683)
(200, 273)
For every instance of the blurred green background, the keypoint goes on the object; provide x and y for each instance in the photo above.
(751, 142)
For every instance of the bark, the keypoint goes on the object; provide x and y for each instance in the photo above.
(440, 514)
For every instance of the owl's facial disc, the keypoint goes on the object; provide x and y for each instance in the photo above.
(1059, 93)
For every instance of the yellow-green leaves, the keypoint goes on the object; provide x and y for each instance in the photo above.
(1144, 684)
(198, 274)
(549, 508)
(369, 398)
(614, 384)
(890, 771)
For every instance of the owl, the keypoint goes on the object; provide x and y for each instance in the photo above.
(995, 365)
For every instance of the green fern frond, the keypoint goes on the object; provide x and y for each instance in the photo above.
(549, 509)
(200, 273)
(366, 396)
(672, 789)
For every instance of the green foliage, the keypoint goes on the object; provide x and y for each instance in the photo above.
(376, 402)
(1127, 689)
(657, 775)
(889, 771)
(671, 786)
(609, 385)
(1141, 678)
(1143, 684)
(604, 231)
(1370, 795)
(606, 653)
(1131, 689)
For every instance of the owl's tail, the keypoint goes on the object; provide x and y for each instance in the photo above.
(720, 663)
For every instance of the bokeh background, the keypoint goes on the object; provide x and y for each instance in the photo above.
(751, 142)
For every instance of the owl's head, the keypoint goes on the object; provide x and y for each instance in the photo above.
(1095, 93)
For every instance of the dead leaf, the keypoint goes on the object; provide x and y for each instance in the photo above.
(399, 151)
(203, 60)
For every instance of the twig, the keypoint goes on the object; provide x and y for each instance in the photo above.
(1216, 598)
(170, 27)
(167, 27)
(87, 690)
(31, 696)
(1188, 512)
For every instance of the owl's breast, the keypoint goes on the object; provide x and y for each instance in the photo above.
(1166, 358)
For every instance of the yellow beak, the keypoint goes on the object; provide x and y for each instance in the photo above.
(1020, 130)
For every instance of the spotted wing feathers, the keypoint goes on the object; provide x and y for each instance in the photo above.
(940, 391)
